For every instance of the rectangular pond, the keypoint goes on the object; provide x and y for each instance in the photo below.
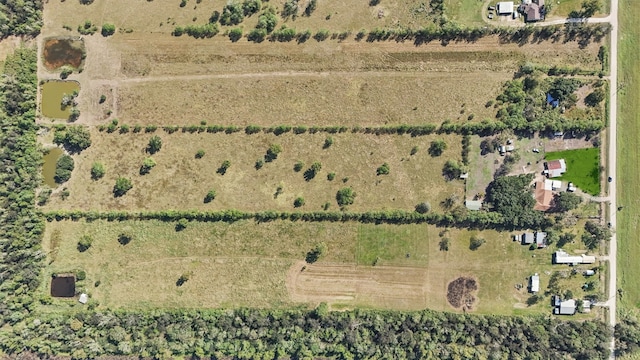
(52, 94)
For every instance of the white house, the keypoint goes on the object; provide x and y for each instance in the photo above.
(534, 283)
(561, 257)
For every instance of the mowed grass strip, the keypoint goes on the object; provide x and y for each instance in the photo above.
(268, 99)
(181, 181)
(628, 155)
(583, 168)
(251, 264)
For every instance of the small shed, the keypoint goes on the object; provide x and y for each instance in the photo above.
(589, 273)
(527, 238)
(534, 283)
(505, 7)
(541, 239)
(84, 298)
(473, 205)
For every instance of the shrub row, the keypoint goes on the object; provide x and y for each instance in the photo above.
(477, 219)
(483, 128)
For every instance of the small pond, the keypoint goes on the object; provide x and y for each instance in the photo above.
(49, 166)
(63, 286)
(52, 93)
(59, 52)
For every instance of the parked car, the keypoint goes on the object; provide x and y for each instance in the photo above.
(610, 179)
(536, 150)
(491, 8)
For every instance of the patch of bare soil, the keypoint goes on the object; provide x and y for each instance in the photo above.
(461, 293)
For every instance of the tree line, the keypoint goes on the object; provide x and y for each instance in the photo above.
(302, 334)
(21, 226)
(485, 127)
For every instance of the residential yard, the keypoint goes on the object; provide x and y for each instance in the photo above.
(583, 168)
(261, 265)
(628, 156)
(181, 181)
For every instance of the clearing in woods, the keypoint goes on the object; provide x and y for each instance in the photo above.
(148, 77)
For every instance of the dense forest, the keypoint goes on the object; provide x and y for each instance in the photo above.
(272, 334)
(20, 17)
(21, 226)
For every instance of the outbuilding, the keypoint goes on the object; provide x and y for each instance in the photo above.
(567, 307)
(534, 283)
(505, 8)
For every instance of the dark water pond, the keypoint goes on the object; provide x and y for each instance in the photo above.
(63, 286)
(59, 52)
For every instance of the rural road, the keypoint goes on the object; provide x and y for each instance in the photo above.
(613, 206)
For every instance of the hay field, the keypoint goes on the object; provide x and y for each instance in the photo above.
(342, 98)
(180, 181)
(249, 264)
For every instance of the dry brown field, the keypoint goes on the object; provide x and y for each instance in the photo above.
(180, 181)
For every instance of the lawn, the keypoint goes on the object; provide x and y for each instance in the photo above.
(181, 181)
(628, 155)
(583, 168)
(261, 265)
(467, 12)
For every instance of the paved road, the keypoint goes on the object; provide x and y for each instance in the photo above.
(613, 206)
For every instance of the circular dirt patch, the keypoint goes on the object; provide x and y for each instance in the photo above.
(461, 293)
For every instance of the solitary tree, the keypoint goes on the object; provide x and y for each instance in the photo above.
(566, 201)
(475, 242)
(437, 147)
(147, 165)
(318, 251)
(211, 195)
(85, 243)
(298, 202)
(345, 196)
(224, 167)
(383, 169)
(155, 144)
(108, 29)
(97, 170)
(122, 186)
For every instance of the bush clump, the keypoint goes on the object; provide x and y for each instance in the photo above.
(211, 195)
(85, 243)
(64, 167)
(345, 196)
(97, 170)
(108, 29)
(122, 186)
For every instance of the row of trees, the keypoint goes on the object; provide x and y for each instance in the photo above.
(344, 197)
(545, 122)
(301, 334)
(21, 225)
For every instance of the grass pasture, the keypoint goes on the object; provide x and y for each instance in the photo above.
(628, 155)
(342, 98)
(583, 168)
(260, 265)
(181, 181)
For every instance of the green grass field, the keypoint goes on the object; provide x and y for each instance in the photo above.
(628, 154)
(583, 168)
